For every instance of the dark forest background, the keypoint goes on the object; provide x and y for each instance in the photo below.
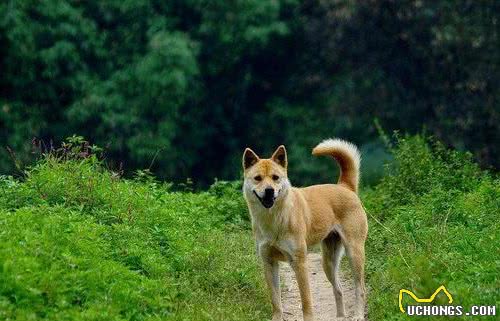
(182, 86)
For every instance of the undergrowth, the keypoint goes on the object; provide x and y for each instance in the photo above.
(434, 220)
(78, 242)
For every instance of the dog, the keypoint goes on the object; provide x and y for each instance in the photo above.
(287, 220)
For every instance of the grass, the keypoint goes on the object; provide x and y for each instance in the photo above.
(77, 242)
(433, 221)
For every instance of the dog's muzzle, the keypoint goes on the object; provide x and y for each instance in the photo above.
(268, 200)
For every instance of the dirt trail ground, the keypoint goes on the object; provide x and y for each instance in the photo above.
(322, 293)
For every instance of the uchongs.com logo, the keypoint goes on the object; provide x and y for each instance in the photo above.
(442, 310)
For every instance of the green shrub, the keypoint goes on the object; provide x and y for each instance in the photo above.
(433, 221)
(80, 243)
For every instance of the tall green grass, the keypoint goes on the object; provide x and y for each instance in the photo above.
(434, 220)
(79, 243)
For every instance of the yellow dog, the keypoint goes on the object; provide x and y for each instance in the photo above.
(286, 220)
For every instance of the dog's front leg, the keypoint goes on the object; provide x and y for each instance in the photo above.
(271, 270)
(299, 266)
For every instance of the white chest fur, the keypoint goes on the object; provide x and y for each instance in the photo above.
(271, 230)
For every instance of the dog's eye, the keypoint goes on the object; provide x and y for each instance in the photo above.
(275, 177)
(258, 178)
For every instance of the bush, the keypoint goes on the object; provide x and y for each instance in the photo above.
(80, 243)
(433, 221)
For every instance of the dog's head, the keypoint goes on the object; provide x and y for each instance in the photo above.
(266, 180)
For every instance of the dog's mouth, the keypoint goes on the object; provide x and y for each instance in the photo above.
(266, 201)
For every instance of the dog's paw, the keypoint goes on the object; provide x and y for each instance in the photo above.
(358, 318)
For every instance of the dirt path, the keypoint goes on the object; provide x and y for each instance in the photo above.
(322, 293)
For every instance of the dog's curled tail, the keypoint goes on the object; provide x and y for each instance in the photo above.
(348, 157)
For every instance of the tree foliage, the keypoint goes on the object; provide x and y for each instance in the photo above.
(184, 86)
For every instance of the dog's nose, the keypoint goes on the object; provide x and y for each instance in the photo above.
(269, 192)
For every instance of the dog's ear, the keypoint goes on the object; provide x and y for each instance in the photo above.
(249, 158)
(279, 156)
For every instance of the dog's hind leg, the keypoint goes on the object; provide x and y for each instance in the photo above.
(333, 250)
(356, 253)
